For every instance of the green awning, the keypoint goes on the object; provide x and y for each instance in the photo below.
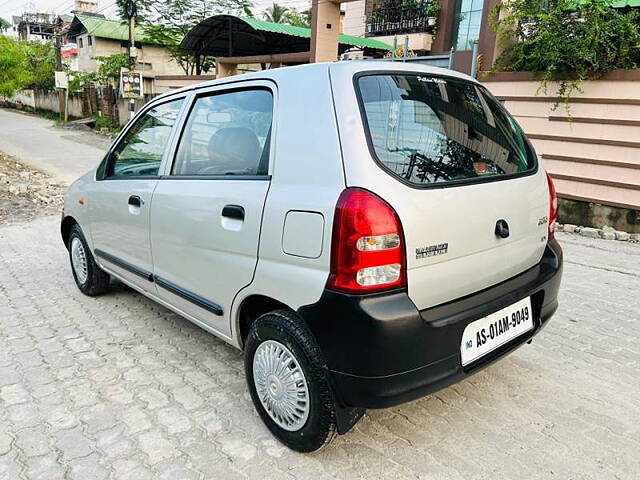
(303, 32)
(231, 36)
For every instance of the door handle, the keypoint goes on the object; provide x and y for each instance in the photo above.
(135, 200)
(502, 229)
(233, 211)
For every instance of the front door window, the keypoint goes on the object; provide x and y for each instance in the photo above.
(141, 150)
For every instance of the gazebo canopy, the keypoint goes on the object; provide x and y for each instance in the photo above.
(230, 36)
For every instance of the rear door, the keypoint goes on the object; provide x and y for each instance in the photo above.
(461, 175)
(207, 208)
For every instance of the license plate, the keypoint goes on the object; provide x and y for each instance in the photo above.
(490, 332)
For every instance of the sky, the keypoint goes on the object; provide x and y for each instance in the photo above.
(8, 8)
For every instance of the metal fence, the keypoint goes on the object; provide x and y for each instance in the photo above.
(398, 20)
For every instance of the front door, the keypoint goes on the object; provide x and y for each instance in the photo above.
(207, 211)
(121, 202)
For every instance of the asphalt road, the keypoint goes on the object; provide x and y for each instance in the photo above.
(63, 153)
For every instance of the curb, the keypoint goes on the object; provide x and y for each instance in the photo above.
(604, 233)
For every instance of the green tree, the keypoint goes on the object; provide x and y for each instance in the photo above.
(167, 22)
(4, 25)
(298, 19)
(107, 73)
(276, 13)
(13, 73)
(246, 9)
(142, 7)
(175, 13)
(170, 38)
(25, 64)
(41, 63)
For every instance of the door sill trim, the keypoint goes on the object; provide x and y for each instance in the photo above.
(124, 264)
(189, 296)
(161, 282)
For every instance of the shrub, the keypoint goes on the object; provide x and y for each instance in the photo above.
(567, 41)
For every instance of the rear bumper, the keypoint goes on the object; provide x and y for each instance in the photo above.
(382, 351)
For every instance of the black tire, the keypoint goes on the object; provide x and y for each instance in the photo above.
(286, 328)
(97, 281)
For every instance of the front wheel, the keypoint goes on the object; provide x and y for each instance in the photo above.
(285, 374)
(89, 277)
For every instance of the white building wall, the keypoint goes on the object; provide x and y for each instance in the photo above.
(85, 62)
(354, 18)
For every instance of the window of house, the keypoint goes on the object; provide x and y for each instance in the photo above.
(89, 40)
(227, 134)
(80, 42)
(467, 22)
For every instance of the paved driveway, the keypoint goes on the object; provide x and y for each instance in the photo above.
(120, 387)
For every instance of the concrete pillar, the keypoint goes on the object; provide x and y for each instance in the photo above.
(225, 69)
(325, 28)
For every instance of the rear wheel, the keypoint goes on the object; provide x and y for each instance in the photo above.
(285, 374)
(89, 277)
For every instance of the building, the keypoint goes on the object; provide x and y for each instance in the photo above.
(94, 35)
(430, 31)
(34, 26)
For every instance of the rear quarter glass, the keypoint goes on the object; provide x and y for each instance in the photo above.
(437, 131)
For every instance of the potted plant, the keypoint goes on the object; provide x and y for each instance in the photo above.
(433, 9)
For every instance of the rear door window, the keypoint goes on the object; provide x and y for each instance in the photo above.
(429, 130)
(227, 134)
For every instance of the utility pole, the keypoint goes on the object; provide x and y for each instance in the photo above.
(132, 13)
(58, 47)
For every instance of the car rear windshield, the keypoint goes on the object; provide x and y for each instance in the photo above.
(437, 130)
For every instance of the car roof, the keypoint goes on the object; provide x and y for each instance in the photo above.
(351, 67)
(359, 66)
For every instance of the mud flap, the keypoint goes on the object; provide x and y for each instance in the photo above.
(346, 417)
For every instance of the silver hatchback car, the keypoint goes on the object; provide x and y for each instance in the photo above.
(367, 232)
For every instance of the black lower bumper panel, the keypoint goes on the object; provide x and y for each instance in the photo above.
(382, 351)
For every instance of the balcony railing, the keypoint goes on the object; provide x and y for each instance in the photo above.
(399, 20)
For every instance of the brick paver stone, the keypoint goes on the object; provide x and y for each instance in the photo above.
(119, 387)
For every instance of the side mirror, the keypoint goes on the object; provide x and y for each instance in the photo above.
(101, 171)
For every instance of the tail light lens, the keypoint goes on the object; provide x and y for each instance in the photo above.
(553, 207)
(367, 250)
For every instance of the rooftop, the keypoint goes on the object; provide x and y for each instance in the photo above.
(104, 28)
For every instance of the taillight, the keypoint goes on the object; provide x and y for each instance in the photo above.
(553, 207)
(367, 249)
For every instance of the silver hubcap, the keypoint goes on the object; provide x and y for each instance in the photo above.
(281, 385)
(79, 260)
